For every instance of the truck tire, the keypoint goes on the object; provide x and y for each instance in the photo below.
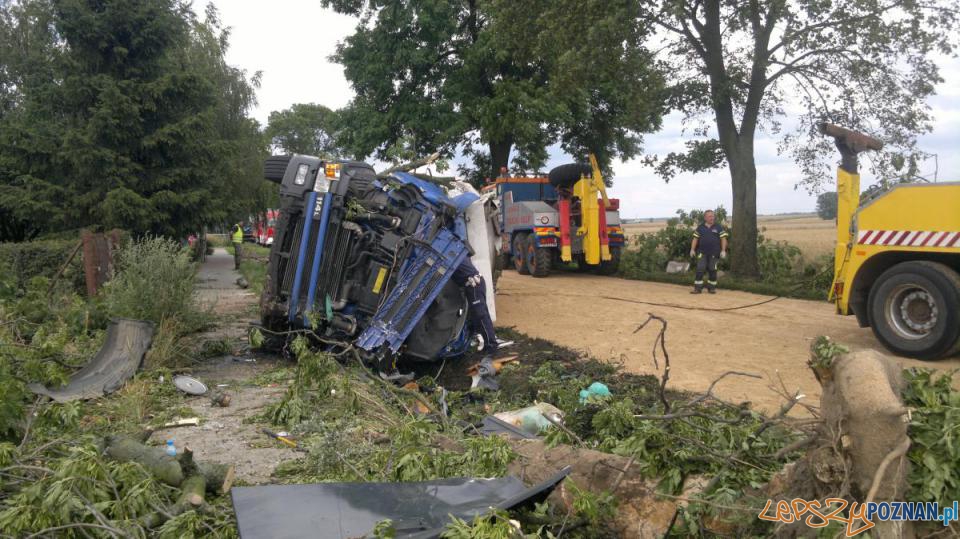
(568, 175)
(914, 309)
(538, 258)
(610, 267)
(519, 254)
(275, 166)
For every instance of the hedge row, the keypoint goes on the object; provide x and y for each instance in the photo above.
(20, 262)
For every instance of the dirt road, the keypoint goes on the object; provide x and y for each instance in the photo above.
(229, 435)
(767, 339)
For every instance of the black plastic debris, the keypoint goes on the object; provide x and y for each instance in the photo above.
(418, 510)
(116, 362)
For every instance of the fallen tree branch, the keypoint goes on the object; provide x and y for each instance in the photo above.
(411, 165)
(795, 446)
(668, 417)
(662, 341)
(564, 428)
(897, 452)
(709, 393)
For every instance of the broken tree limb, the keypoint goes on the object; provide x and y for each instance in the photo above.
(154, 459)
(662, 341)
(171, 470)
(219, 477)
(411, 165)
(191, 493)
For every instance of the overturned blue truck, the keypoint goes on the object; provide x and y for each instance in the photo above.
(366, 261)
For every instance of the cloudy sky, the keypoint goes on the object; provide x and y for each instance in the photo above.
(290, 42)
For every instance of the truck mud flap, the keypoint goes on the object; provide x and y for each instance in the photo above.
(419, 510)
(116, 362)
(423, 277)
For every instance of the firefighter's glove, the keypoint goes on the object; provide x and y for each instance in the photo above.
(693, 253)
(723, 254)
(474, 280)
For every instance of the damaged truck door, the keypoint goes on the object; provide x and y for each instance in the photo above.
(365, 260)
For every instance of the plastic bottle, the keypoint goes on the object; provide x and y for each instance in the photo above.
(171, 449)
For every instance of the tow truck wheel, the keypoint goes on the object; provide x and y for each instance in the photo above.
(914, 309)
(538, 258)
(611, 266)
(519, 254)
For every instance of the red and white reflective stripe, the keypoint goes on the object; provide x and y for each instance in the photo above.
(909, 238)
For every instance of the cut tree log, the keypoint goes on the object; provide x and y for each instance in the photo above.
(154, 459)
(218, 478)
(191, 493)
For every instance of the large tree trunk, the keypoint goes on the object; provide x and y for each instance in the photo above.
(499, 156)
(743, 237)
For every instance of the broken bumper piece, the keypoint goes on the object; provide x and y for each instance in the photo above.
(418, 510)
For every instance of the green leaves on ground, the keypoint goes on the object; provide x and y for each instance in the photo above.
(935, 436)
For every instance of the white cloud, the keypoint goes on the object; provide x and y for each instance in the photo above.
(291, 41)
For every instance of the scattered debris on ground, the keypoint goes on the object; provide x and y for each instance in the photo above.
(645, 460)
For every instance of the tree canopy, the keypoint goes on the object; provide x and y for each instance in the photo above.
(121, 113)
(782, 66)
(305, 128)
(488, 78)
(827, 205)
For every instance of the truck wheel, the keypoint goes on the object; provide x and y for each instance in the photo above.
(519, 254)
(568, 175)
(611, 266)
(914, 309)
(538, 258)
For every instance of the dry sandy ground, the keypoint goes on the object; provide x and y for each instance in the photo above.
(770, 339)
(814, 236)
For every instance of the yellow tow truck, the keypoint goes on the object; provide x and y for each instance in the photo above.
(897, 262)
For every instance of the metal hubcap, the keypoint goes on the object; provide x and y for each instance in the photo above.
(912, 311)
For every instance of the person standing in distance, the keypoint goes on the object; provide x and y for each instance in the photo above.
(708, 247)
(237, 240)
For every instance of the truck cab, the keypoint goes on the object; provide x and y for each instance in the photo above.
(365, 261)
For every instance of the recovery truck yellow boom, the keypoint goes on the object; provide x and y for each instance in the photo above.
(897, 265)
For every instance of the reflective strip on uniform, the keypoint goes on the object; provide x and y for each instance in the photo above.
(711, 282)
(724, 234)
(697, 282)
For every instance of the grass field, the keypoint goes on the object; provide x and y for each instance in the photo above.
(814, 236)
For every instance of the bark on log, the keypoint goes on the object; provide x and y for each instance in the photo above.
(219, 477)
(154, 459)
(171, 470)
(191, 493)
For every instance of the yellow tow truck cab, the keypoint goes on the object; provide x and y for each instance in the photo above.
(897, 264)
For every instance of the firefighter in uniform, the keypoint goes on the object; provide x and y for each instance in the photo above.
(708, 247)
(468, 278)
(237, 240)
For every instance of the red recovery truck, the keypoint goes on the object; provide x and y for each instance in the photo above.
(564, 217)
